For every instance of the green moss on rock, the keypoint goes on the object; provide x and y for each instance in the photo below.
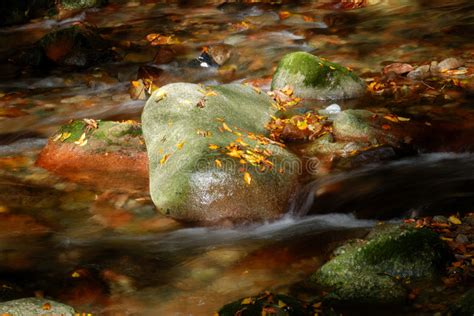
(312, 77)
(35, 306)
(108, 136)
(370, 273)
(81, 4)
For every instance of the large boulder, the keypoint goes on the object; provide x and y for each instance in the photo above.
(80, 4)
(209, 158)
(312, 77)
(371, 272)
(35, 306)
(100, 153)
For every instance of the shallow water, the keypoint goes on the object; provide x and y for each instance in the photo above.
(131, 261)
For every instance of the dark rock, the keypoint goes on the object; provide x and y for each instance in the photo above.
(367, 273)
(465, 306)
(265, 304)
(20, 11)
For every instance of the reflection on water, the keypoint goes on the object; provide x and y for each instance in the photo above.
(109, 251)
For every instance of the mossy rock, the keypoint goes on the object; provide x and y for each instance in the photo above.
(194, 175)
(265, 304)
(312, 77)
(356, 124)
(372, 273)
(35, 306)
(465, 306)
(106, 136)
(81, 4)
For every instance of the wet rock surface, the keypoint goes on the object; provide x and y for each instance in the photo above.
(100, 153)
(209, 157)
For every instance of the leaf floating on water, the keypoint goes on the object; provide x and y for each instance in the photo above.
(403, 119)
(75, 274)
(391, 118)
(246, 301)
(218, 163)
(453, 219)
(281, 304)
(164, 159)
(247, 178)
(213, 146)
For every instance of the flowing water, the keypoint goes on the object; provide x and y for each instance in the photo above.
(108, 252)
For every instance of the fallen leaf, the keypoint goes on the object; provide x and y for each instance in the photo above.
(218, 163)
(453, 219)
(180, 145)
(164, 159)
(247, 178)
(213, 146)
(226, 127)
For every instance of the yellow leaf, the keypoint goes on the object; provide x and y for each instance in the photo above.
(391, 118)
(227, 128)
(46, 306)
(57, 137)
(75, 274)
(180, 145)
(65, 136)
(218, 163)
(240, 141)
(213, 147)
(453, 219)
(281, 304)
(446, 238)
(403, 119)
(333, 68)
(82, 140)
(317, 305)
(302, 125)
(160, 96)
(210, 93)
(164, 159)
(247, 178)
(246, 301)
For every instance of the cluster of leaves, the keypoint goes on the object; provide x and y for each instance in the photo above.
(459, 235)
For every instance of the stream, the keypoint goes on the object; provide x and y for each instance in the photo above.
(108, 252)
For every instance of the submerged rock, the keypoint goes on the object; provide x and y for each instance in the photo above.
(209, 158)
(266, 304)
(77, 45)
(465, 306)
(104, 153)
(35, 306)
(369, 272)
(311, 77)
(20, 11)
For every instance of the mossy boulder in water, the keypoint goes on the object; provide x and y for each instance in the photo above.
(372, 272)
(209, 158)
(312, 77)
(35, 306)
(101, 153)
(265, 304)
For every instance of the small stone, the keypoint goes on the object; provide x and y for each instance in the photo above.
(398, 68)
(421, 72)
(434, 66)
(450, 63)
(333, 109)
(220, 53)
(440, 219)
